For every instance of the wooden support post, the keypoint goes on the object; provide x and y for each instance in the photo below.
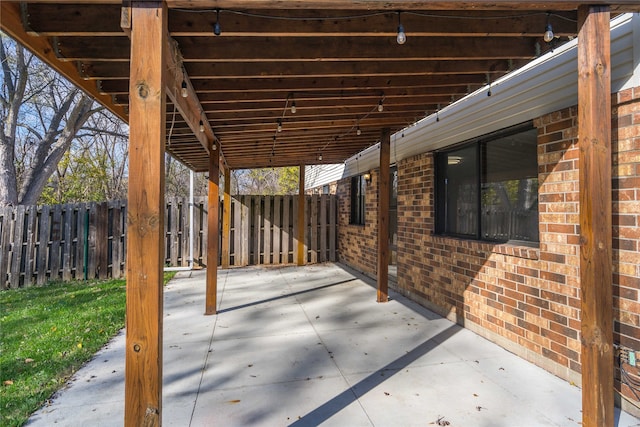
(300, 235)
(383, 216)
(594, 142)
(226, 220)
(145, 216)
(213, 232)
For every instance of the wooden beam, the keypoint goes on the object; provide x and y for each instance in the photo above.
(302, 223)
(594, 133)
(145, 217)
(213, 233)
(102, 20)
(226, 220)
(335, 84)
(326, 23)
(383, 216)
(393, 5)
(189, 106)
(295, 49)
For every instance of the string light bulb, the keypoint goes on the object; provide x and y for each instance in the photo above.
(279, 125)
(320, 157)
(380, 106)
(201, 126)
(401, 38)
(217, 30)
(358, 131)
(548, 33)
(293, 107)
(183, 91)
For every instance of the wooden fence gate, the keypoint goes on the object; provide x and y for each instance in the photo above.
(88, 240)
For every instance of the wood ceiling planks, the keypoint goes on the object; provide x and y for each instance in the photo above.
(336, 60)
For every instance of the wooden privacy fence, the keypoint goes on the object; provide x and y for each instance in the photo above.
(88, 240)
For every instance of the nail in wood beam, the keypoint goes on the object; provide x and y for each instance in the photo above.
(145, 216)
(226, 220)
(302, 254)
(383, 216)
(594, 133)
(213, 232)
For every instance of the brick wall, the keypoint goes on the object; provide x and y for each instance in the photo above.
(626, 221)
(526, 299)
(357, 244)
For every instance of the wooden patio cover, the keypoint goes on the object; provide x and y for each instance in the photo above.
(266, 83)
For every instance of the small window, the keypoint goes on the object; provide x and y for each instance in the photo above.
(488, 188)
(358, 190)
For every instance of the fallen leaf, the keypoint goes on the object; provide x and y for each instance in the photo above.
(28, 360)
(475, 395)
(79, 345)
(234, 401)
(8, 382)
(440, 421)
(386, 393)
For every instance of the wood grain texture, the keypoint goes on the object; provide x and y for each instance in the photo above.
(594, 133)
(213, 233)
(383, 217)
(226, 220)
(301, 223)
(145, 219)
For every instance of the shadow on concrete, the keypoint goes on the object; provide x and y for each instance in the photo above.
(344, 399)
(289, 295)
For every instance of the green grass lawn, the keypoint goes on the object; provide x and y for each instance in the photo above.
(47, 333)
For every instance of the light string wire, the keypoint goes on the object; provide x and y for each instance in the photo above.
(354, 126)
(370, 15)
(280, 123)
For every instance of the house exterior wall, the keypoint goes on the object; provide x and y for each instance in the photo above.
(525, 299)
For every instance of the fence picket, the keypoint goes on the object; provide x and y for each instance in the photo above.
(277, 225)
(314, 229)
(16, 246)
(93, 219)
(56, 241)
(29, 264)
(65, 230)
(6, 220)
(286, 233)
(44, 243)
(266, 259)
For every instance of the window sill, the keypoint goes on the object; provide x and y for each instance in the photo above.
(513, 249)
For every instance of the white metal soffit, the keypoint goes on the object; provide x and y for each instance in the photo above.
(547, 84)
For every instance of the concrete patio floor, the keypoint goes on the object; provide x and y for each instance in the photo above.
(304, 346)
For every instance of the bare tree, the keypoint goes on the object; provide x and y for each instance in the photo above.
(177, 180)
(40, 116)
(267, 181)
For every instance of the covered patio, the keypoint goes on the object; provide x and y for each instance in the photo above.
(305, 346)
(219, 86)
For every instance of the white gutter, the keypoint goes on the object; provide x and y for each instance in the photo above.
(545, 85)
